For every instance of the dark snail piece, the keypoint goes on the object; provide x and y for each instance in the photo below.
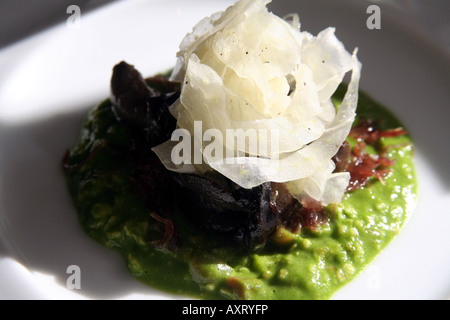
(141, 106)
(219, 206)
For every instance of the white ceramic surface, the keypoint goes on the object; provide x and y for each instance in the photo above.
(47, 83)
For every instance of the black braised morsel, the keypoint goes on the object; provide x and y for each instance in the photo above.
(140, 105)
(227, 210)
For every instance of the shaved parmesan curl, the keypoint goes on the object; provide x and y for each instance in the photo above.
(246, 68)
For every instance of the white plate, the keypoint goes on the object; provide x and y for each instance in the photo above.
(49, 81)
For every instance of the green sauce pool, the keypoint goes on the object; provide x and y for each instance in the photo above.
(307, 265)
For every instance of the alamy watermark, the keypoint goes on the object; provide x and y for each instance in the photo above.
(74, 20)
(73, 281)
(374, 20)
(236, 147)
